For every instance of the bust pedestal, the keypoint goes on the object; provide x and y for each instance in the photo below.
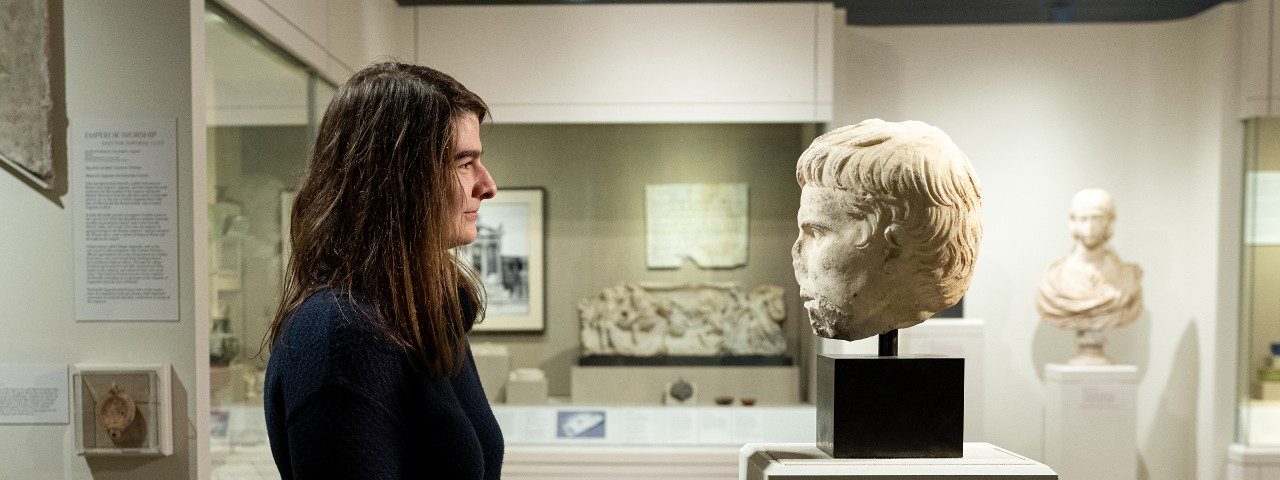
(981, 461)
(890, 406)
(1090, 421)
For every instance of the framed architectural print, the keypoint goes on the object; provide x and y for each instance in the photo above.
(508, 257)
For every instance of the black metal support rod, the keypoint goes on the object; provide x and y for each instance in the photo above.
(889, 343)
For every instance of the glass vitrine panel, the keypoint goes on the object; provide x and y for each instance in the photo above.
(262, 106)
(1259, 382)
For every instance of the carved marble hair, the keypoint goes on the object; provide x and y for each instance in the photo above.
(916, 196)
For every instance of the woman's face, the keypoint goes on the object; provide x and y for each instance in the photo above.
(474, 182)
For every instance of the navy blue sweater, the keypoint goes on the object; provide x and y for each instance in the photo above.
(342, 401)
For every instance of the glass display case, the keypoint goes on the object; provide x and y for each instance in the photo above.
(262, 107)
(588, 185)
(1258, 423)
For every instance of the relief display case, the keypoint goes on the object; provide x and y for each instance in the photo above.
(1258, 391)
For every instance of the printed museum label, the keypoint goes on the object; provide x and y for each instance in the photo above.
(706, 223)
(124, 185)
(1103, 397)
(33, 393)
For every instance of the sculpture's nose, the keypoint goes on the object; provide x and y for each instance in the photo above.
(797, 257)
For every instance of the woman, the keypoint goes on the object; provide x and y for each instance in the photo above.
(370, 374)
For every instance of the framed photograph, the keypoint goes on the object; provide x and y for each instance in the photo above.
(122, 410)
(508, 257)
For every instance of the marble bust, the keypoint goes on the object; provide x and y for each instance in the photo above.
(1091, 289)
(889, 223)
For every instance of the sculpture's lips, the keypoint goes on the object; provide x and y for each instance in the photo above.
(809, 302)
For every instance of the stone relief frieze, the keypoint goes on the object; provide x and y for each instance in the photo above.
(693, 319)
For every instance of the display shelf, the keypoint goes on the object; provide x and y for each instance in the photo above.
(805, 460)
(1252, 462)
(617, 425)
(770, 385)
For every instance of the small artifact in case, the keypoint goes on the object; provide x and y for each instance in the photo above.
(680, 392)
(122, 410)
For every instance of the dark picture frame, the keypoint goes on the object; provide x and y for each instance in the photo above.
(509, 256)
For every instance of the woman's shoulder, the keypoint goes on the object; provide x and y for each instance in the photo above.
(335, 308)
(332, 317)
(331, 341)
(335, 335)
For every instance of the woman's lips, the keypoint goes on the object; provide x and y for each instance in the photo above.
(472, 215)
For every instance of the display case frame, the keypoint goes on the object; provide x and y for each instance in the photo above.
(145, 388)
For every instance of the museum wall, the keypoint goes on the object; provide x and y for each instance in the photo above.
(120, 59)
(594, 176)
(335, 37)
(637, 62)
(1142, 110)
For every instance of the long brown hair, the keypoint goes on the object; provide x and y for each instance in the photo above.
(375, 210)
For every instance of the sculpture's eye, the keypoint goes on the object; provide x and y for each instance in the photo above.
(813, 230)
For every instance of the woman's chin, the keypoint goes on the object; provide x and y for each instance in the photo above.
(464, 239)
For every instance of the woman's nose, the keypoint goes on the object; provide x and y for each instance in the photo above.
(485, 187)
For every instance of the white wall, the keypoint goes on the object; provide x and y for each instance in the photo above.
(1145, 111)
(122, 59)
(637, 63)
(336, 37)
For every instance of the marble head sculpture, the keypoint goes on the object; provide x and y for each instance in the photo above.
(889, 227)
(1091, 289)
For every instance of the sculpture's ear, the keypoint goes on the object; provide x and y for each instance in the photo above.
(893, 237)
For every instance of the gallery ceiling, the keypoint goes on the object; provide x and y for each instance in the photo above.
(944, 12)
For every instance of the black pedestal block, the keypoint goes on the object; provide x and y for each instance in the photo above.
(890, 407)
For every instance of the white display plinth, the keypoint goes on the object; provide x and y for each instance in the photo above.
(955, 337)
(1091, 421)
(1252, 462)
(981, 461)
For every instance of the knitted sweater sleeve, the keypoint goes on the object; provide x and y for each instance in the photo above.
(349, 422)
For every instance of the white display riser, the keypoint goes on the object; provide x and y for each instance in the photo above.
(1090, 421)
(952, 337)
(1263, 420)
(981, 461)
(656, 426)
(1253, 463)
(614, 462)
